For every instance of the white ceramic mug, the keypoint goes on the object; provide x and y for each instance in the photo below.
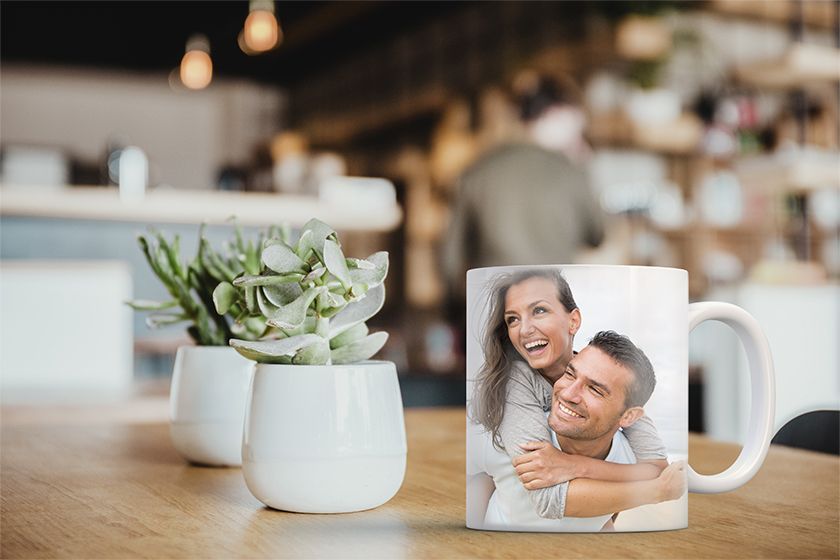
(574, 365)
(324, 439)
(207, 404)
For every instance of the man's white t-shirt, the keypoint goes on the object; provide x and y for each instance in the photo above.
(510, 509)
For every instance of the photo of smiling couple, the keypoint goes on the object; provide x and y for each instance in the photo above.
(558, 439)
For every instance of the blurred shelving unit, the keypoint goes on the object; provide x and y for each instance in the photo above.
(802, 65)
(671, 139)
(817, 14)
(782, 179)
(803, 68)
(797, 174)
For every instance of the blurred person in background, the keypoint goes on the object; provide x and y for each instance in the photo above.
(526, 202)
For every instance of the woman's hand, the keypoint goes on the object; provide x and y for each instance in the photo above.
(672, 482)
(544, 465)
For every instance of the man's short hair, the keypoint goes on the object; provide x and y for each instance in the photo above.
(624, 352)
(536, 93)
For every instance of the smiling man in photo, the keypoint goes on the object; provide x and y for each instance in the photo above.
(602, 391)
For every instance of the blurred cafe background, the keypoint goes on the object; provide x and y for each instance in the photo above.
(711, 144)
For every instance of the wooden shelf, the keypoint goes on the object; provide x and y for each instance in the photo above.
(803, 64)
(819, 14)
(692, 230)
(802, 175)
(615, 130)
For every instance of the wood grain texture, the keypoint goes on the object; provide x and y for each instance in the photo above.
(108, 487)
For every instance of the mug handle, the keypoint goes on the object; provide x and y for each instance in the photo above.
(763, 403)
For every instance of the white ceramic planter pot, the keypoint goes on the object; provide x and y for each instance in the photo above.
(207, 404)
(324, 439)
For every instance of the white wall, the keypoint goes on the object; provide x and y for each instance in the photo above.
(65, 331)
(187, 135)
(802, 325)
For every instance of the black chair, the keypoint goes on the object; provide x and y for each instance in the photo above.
(815, 431)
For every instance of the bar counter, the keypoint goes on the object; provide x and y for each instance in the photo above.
(193, 207)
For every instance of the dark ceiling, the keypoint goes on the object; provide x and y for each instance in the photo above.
(150, 36)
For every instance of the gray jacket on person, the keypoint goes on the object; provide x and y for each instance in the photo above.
(520, 204)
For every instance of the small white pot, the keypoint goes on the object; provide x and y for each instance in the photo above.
(207, 404)
(324, 439)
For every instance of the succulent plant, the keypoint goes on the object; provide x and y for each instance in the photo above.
(192, 286)
(313, 299)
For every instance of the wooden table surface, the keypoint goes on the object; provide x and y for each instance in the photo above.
(105, 482)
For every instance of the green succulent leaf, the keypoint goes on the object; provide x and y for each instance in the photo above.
(373, 272)
(160, 257)
(291, 315)
(196, 275)
(335, 263)
(282, 294)
(359, 263)
(224, 295)
(317, 353)
(273, 240)
(312, 237)
(215, 264)
(358, 311)
(357, 291)
(255, 326)
(149, 305)
(304, 248)
(354, 333)
(251, 259)
(267, 280)
(330, 301)
(314, 275)
(145, 249)
(307, 327)
(207, 264)
(359, 350)
(250, 328)
(280, 258)
(330, 312)
(237, 235)
(322, 327)
(171, 254)
(175, 257)
(251, 299)
(265, 306)
(271, 351)
(164, 319)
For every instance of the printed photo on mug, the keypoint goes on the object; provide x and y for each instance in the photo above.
(577, 398)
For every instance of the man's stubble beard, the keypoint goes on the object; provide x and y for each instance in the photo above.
(585, 433)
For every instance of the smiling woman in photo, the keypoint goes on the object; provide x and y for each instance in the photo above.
(528, 347)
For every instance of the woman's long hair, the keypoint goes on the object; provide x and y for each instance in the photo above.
(499, 353)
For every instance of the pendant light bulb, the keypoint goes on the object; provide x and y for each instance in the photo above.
(196, 65)
(261, 31)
